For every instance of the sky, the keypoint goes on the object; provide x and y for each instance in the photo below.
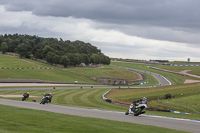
(128, 29)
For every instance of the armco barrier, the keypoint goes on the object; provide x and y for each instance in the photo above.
(143, 83)
(106, 99)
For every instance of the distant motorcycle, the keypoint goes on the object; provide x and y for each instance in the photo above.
(46, 99)
(136, 109)
(25, 96)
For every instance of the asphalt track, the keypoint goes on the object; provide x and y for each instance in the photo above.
(171, 123)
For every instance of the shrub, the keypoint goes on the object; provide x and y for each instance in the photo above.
(168, 96)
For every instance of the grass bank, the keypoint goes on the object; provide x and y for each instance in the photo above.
(183, 96)
(32, 70)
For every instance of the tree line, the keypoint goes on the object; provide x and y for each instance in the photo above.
(54, 51)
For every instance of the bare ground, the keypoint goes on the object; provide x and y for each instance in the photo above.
(189, 80)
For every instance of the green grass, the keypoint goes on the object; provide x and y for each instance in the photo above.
(12, 61)
(54, 75)
(87, 98)
(107, 71)
(68, 75)
(195, 71)
(179, 68)
(91, 98)
(18, 120)
(185, 95)
(57, 86)
(15, 62)
(185, 102)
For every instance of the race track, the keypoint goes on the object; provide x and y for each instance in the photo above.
(172, 123)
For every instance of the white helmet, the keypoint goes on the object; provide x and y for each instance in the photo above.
(144, 98)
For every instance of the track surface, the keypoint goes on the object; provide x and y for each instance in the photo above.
(178, 124)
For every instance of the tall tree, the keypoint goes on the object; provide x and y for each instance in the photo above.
(64, 60)
(4, 47)
(23, 50)
(49, 57)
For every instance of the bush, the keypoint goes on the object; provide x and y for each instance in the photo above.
(168, 96)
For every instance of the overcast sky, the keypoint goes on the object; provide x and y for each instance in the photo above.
(134, 29)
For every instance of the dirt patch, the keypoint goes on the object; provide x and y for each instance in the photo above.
(185, 71)
(14, 96)
(139, 76)
(187, 81)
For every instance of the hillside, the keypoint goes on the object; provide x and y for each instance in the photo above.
(13, 67)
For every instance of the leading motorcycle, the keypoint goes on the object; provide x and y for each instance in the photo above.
(136, 109)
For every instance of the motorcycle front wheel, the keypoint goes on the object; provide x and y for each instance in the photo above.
(137, 111)
(23, 98)
(127, 112)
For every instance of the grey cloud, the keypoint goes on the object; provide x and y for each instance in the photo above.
(23, 29)
(171, 20)
(160, 33)
(175, 13)
(19, 5)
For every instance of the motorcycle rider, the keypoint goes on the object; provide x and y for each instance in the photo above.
(26, 94)
(136, 104)
(139, 101)
(49, 96)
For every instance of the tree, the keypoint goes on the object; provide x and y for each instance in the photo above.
(49, 57)
(64, 60)
(23, 50)
(95, 58)
(74, 59)
(56, 59)
(84, 59)
(105, 59)
(45, 50)
(4, 47)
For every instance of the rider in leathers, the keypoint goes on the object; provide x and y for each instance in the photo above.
(139, 101)
(49, 97)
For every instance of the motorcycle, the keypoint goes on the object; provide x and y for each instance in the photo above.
(137, 110)
(25, 96)
(45, 99)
